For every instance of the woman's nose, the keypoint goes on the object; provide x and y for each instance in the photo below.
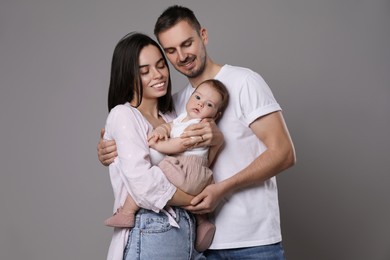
(156, 74)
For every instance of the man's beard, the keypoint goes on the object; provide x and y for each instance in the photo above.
(196, 72)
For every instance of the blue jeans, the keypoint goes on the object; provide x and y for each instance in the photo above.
(154, 238)
(267, 252)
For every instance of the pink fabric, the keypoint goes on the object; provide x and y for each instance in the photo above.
(133, 172)
(189, 173)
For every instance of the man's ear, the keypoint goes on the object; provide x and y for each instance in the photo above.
(204, 35)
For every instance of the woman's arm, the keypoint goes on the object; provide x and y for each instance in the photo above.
(146, 183)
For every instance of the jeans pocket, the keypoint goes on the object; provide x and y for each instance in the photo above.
(126, 251)
(156, 225)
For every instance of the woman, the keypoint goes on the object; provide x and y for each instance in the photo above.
(139, 100)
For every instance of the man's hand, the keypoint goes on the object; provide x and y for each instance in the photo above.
(205, 133)
(106, 150)
(207, 200)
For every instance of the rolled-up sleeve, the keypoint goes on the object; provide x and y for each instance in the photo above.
(256, 99)
(146, 183)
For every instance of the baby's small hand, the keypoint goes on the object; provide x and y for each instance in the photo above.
(159, 133)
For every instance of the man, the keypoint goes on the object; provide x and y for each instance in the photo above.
(257, 146)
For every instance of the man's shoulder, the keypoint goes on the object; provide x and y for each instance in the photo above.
(234, 76)
(231, 70)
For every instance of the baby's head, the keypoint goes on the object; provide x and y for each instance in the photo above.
(209, 99)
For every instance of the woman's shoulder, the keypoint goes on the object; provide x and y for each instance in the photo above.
(124, 112)
(124, 109)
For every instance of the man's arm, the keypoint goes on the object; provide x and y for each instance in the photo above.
(106, 150)
(280, 155)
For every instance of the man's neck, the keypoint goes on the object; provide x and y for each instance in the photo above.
(210, 71)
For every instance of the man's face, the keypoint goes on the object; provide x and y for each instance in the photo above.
(185, 48)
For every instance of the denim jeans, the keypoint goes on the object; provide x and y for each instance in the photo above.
(267, 252)
(154, 238)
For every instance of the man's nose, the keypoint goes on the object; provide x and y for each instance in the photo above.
(181, 55)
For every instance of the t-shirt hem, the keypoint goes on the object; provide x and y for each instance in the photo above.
(245, 243)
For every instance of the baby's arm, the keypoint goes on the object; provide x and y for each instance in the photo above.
(160, 141)
(169, 146)
(161, 132)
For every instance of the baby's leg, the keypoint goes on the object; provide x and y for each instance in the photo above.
(124, 216)
(188, 173)
(205, 231)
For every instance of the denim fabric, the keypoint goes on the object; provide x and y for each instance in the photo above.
(267, 252)
(154, 238)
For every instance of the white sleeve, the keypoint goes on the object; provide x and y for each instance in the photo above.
(147, 184)
(256, 99)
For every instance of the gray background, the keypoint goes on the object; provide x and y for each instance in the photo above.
(327, 62)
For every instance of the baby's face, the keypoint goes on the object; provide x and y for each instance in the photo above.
(204, 102)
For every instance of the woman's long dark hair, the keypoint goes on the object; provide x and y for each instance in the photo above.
(125, 81)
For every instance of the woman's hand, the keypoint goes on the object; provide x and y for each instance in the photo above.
(106, 150)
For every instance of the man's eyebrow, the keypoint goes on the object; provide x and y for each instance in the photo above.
(188, 40)
(181, 44)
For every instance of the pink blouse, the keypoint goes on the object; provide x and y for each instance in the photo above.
(133, 171)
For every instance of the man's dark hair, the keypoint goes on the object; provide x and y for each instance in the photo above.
(174, 14)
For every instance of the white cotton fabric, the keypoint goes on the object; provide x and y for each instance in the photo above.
(178, 127)
(249, 217)
(134, 170)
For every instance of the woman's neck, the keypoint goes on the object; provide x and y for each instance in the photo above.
(149, 109)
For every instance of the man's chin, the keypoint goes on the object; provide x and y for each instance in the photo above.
(190, 74)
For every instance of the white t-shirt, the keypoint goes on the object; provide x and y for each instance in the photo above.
(249, 217)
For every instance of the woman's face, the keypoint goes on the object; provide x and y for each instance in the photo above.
(154, 73)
